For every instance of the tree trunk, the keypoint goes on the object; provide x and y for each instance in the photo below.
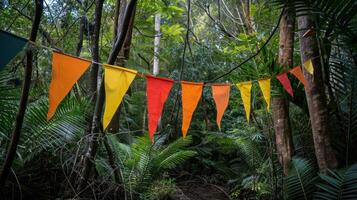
(95, 48)
(89, 155)
(280, 105)
(94, 76)
(156, 67)
(123, 56)
(283, 138)
(24, 97)
(247, 16)
(315, 96)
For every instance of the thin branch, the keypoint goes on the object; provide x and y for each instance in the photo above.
(255, 54)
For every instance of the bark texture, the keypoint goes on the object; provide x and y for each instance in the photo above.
(10, 156)
(280, 105)
(316, 98)
(282, 127)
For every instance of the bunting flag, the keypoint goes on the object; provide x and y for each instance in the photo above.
(117, 81)
(191, 94)
(10, 46)
(264, 85)
(220, 95)
(245, 92)
(296, 71)
(309, 66)
(66, 70)
(157, 91)
(284, 80)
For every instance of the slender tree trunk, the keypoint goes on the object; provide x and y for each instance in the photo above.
(91, 152)
(316, 98)
(94, 76)
(280, 105)
(24, 97)
(95, 48)
(247, 16)
(123, 56)
(156, 67)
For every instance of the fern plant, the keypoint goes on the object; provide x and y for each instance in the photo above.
(142, 163)
(338, 185)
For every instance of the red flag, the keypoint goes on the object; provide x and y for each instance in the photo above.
(157, 91)
(284, 80)
(296, 71)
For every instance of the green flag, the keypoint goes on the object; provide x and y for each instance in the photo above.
(10, 46)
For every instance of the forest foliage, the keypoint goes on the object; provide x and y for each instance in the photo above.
(200, 41)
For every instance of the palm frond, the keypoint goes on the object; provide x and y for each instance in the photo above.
(39, 134)
(338, 185)
(300, 183)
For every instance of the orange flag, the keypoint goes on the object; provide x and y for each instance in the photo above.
(221, 98)
(191, 94)
(66, 70)
(296, 71)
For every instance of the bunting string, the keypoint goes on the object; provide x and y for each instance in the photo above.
(67, 70)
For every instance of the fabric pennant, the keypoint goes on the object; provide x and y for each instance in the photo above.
(284, 80)
(157, 91)
(66, 70)
(191, 94)
(309, 66)
(220, 95)
(264, 85)
(10, 46)
(116, 81)
(245, 92)
(297, 72)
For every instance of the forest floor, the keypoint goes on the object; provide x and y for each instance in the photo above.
(198, 190)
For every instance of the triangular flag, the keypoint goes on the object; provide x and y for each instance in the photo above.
(264, 85)
(117, 81)
(245, 89)
(309, 66)
(220, 95)
(191, 94)
(157, 91)
(284, 80)
(10, 46)
(66, 70)
(296, 71)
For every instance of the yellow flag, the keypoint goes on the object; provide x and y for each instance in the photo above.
(309, 66)
(245, 89)
(117, 81)
(265, 88)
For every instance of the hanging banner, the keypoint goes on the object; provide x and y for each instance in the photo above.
(191, 94)
(309, 67)
(157, 91)
(10, 46)
(264, 85)
(116, 81)
(296, 71)
(66, 70)
(220, 95)
(245, 92)
(284, 80)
